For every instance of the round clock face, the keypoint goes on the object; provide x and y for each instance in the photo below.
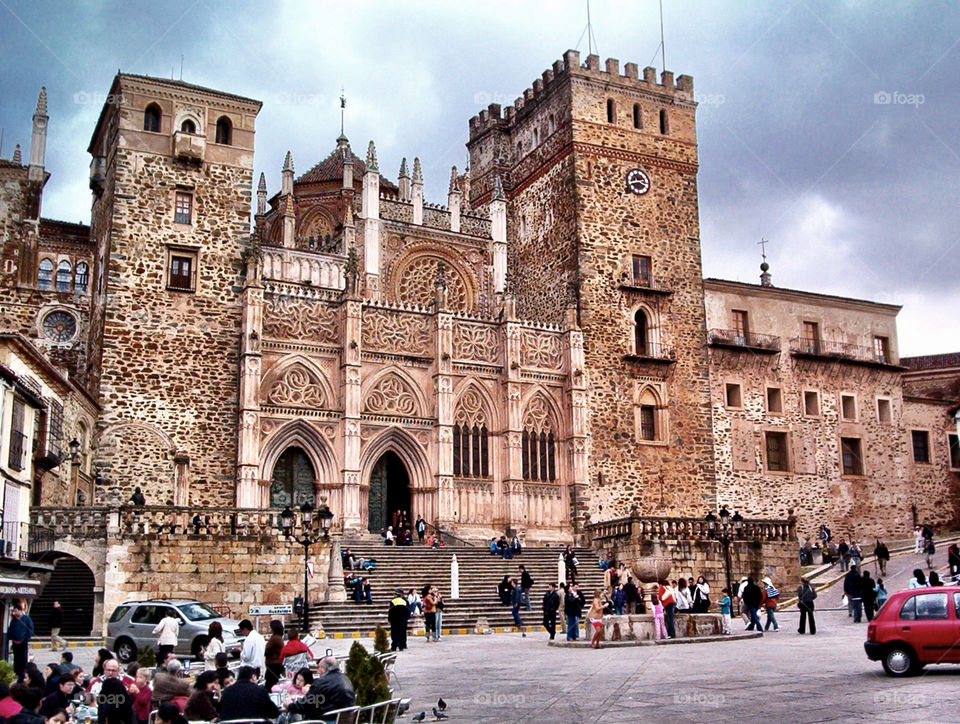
(59, 326)
(637, 181)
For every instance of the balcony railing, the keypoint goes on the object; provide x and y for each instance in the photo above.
(838, 350)
(647, 283)
(747, 340)
(653, 351)
(20, 540)
(653, 528)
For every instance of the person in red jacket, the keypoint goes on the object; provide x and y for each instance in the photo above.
(667, 596)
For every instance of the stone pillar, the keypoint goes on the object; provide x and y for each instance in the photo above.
(416, 192)
(262, 195)
(250, 492)
(350, 370)
(287, 208)
(335, 588)
(498, 235)
(513, 493)
(443, 379)
(454, 577)
(370, 212)
(454, 197)
(403, 181)
(38, 141)
(578, 416)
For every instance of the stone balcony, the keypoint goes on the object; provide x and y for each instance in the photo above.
(642, 527)
(735, 339)
(189, 146)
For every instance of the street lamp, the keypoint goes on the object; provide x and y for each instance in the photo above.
(729, 530)
(314, 528)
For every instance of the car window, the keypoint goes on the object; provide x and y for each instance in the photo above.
(956, 604)
(198, 612)
(118, 613)
(145, 614)
(931, 606)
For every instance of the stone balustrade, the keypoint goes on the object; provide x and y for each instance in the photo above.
(658, 528)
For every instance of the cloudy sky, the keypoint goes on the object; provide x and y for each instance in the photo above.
(828, 127)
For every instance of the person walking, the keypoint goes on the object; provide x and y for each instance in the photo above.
(595, 615)
(882, 554)
(853, 589)
(167, 632)
(844, 551)
(573, 608)
(725, 607)
(869, 595)
(421, 526)
(516, 601)
(770, 604)
(881, 592)
(806, 595)
(438, 604)
(429, 617)
(744, 612)
(856, 554)
(56, 624)
(526, 583)
(928, 550)
(273, 655)
(570, 562)
(19, 633)
(683, 598)
(551, 604)
(953, 560)
(619, 599)
(214, 645)
(397, 615)
(667, 597)
(753, 598)
(918, 539)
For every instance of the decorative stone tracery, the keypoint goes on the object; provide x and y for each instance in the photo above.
(540, 349)
(475, 342)
(391, 396)
(297, 387)
(287, 318)
(395, 332)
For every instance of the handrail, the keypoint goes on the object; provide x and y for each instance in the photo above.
(441, 533)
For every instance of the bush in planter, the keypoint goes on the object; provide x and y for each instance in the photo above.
(381, 643)
(367, 676)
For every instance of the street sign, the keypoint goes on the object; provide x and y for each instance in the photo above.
(283, 610)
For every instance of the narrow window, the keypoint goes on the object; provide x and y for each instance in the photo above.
(852, 458)
(183, 212)
(64, 274)
(777, 451)
(182, 271)
(534, 458)
(525, 454)
(543, 456)
(664, 123)
(475, 446)
(648, 418)
(484, 453)
(734, 398)
(954, 444)
(552, 125)
(551, 459)
(536, 137)
(811, 403)
(17, 439)
(81, 279)
(637, 120)
(464, 450)
(881, 349)
(640, 333)
(151, 118)
(44, 274)
(611, 111)
(188, 126)
(55, 429)
(519, 149)
(224, 131)
(456, 449)
(921, 446)
(641, 270)
(883, 410)
(848, 407)
(774, 400)
(741, 326)
(811, 338)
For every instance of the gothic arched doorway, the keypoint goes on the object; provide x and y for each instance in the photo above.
(389, 491)
(294, 480)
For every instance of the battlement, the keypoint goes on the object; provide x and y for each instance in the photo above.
(495, 116)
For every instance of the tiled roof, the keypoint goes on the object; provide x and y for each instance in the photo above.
(331, 168)
(931, 361)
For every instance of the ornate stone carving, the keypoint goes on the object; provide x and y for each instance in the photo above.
(475, 342)
(352, 428)
(540, 349)
(396, 332)
(416, 278)
(537, 415)
(287, 318)
(470, 409)
(391, 396)
(297, 387)
(268, 426)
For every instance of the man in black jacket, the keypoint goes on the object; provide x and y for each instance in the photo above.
(56, 623)
(245, 699)
(397, 615)
(573, 604)
(853, 589)
(526, 583)
(551, 604)
(752, 597)
(331, 690)
(805, 598)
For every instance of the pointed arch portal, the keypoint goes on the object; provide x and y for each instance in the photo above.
(294, 480)
(389, 491)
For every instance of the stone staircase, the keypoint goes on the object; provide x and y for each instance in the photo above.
(414, 566)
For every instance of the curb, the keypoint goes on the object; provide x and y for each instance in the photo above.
(421, 632)
(41, 644)
(652, 642)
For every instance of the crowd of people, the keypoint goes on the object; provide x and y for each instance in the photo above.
(504, 548)
(401, 530)
(427, 602)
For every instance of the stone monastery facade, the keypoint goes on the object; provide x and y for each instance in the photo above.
(536, 355)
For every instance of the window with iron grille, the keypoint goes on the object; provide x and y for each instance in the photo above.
(183, 211)
(921, 446)
(648, 422)
(55, 428)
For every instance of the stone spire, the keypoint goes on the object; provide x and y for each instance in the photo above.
(498, 194)
(286, 175)
(403, 180)
(417, 172)
(454, 198)
(416, 192)
(38, 141)
(454, 186)
(262, 195)
(404, 172)
(372, 158)
(16, 155)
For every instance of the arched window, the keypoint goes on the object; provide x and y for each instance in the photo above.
(471, 451)
(664, 122)
(44, 274)
(538, 444)
(64, 274)
(81, 278)
(536, 137)
(611, 111)
(188, 126)
(224, 131)
(648, 413)
(519, 149)
(151, 118)
(552, 123)
(637, 119)
(641, 331)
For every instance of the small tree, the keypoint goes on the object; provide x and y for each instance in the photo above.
(358, 655)
(380, 642)
(7, 676)
(367, 675)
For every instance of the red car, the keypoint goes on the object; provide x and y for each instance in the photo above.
(914, 628)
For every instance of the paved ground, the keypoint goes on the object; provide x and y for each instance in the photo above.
(781, 677)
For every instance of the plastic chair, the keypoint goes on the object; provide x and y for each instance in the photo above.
(391, 711)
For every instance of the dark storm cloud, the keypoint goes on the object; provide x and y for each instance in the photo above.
(829, 128)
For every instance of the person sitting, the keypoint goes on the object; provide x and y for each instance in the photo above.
(494, 548)
(245, 699)
(167, 684)
(388, 536)
(331, 690)
(202, 705)
(169, 714)
(60, 698)
(415, 602)
(298, 685)
(516, 548)
(504, 589)
(295, 654)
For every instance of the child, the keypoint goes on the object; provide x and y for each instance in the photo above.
(881, 592)
(659, 627)
(725, 610)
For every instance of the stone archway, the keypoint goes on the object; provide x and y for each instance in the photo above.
(389, 491)
(74, 584)
(422, 486)
(293, 480)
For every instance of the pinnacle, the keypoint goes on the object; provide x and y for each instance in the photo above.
(372, 157)
(498, 194)
(16, 155)
(454, 186)
(262, 186)
(288, 162)
(403, 168)
(417, 171)
(42, 102)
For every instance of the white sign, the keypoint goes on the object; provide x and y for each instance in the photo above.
(285, 610)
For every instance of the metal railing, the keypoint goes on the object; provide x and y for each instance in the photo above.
(446, 536)
(655, 350)
(22, 541)
(737, 338)
(645, 527)
(647, 282)
(838, 350)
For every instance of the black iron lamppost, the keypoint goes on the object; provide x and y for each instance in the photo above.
(729, 530)
(314, 528)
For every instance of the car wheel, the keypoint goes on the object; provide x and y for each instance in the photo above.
(899, 661)
(126, 651)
